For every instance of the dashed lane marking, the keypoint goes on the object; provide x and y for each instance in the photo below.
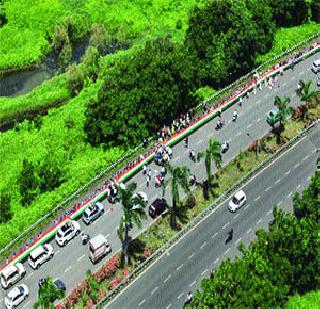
(204, 271)
(267, 189)
(30, 275)
(277, 181)
(214, 235)
(165, 280)
(269, 212)
(179, 267)
(57, 252)
(289, 195)
(238, 240)
(236, 216)
(180, 295)
(67, 269)
(314, 150)
(169, 306)
(153, 291)
(257, 198)
(216, 261)
(199, 141)
(193, 283)
(27, 304)
(259, 221)
(203, 245)
(107, 235)
(279, 203)
(224, 227)
(191, 256)
(238, 134)
(297, 165)
(227, 251)
(142, 302)
(287, 173)
(305, 158)
(249, 231)
(81, 257)
(298, 187)
(249, 126)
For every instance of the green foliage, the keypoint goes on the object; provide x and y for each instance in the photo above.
(48, 293)
(93, 286)
(28, 183)
(140, 94)
(315, 10)
(309, 300)
(203, 93)
(280, 263)
(5, 212)
(75, 79)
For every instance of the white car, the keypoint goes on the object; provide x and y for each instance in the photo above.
(92, 213)
(11, 275)
(142, 195)
(238, 200)
(16, 296)
(316, 66)
(67, 231)
(40, 255)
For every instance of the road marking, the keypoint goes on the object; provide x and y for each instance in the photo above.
(259, 221)
(169, 306)
(298, 186)
(156, 288)
(107, 235)
(203, 245)
(67, 269)
(249, 231)
(142, 184)
(296, 165)
(26, 304)
(269, 212)
(249, 126)
(142, 302)
(245, 207)
(214, 235)
(258, 101)
(216, 261)
(289, 194)
(314, 150)
(179, 267)
(308, 178)
(204, 271)
(279, 203)
(237, 215)
(267, 189)
(199, 141)
(30, 275)
(238, 134)
(305, 158)
(191, 256)
(227, 251)
(167, 279)
(193, 283)
(257, 198)
(58, 251)
(287, 173)
(180, 295)
(277, 181)
(225, 225)
(81, 257)
(259, 119)
(301, 73)
(238, 240)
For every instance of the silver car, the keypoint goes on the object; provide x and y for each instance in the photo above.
(93, 212)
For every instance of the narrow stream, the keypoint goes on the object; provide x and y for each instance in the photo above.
(20, 82)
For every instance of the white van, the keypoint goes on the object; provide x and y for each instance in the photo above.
(40, 255)
(11, 275)
(316, 66)
(98, 248)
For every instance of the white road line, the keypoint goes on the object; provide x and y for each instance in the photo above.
(224, 227)
(314, 150)
(245, 207)
(308, 178)
(305, 158)
(248, 231)
(237, 215)
(267, 189)
(259, 221)
(81, 257)
(298, 187)
(30, 275)
(259, 119)
(296, 165)
(277, 181)
(199, 141)
(156, 288)
(191, 256)
(142, 302)
(169, 306)
(216, 261)
(193, 283)
(258, 101)
(249, 126)
(26, 304)
(165, 280)
(227, 251)
(179, 267)
(301, 73)
(57, 252)
(279, 203)
(238, 134)
(269, 212)
(67, 269)
(287, 173)
(214, 235)
(204, 271)
(238, 240)
(107, 235)
(257, 198)
(180, 295)
(289, 194)
(203, 245)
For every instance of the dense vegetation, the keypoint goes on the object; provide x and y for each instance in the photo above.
(280, 263)
(171, 78)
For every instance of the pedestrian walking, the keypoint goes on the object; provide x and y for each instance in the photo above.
(186, 140)
(149, 172)
(240, 101)
(148, 180)
(163, 171)
(144, 170)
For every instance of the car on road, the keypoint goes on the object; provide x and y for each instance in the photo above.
(40, 255)
(273, 116)
(16, 296)
(142, 195)
(67, 231)
(316, 66)
(11, 275)
(237, 201)
(93, 212)
(157, 207)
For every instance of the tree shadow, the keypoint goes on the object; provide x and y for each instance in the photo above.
(136, 249)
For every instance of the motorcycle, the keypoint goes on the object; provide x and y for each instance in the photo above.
(159, 181)
(85, 238)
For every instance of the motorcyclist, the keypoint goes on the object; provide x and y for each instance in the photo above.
(85, 238)
(192, 155)
(189, 297)
(235, 115)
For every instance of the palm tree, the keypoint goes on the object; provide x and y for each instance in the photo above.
(212, 153)
(306, 94)
(284, 111)
(133, 206)
(179, 177)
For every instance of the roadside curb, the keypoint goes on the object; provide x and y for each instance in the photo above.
(206, 212)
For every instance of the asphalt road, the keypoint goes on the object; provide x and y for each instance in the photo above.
(70, 263)
(167, 282)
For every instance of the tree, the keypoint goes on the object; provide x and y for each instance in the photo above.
(306, 94)
(315, 10)
(3, 18)
(75, 79)
(133, 207)
(49, 175)
(99, 38)
(212, 153)
(178, 178)
(5, 213)
(28, 183)
(284, 111)
(48, 293)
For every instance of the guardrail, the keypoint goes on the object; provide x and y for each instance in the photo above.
(206, 212)
(124, 175)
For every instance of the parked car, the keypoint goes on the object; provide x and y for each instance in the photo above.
(67, 231)
(316, 66)
(273, 116)
(40, 255)
(93, 212)
(238, 200)
(157, 207)
(142, 195)
(16, 296)
(11, 275)
(98, 248)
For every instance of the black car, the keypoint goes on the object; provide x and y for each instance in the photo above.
(157, 207)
